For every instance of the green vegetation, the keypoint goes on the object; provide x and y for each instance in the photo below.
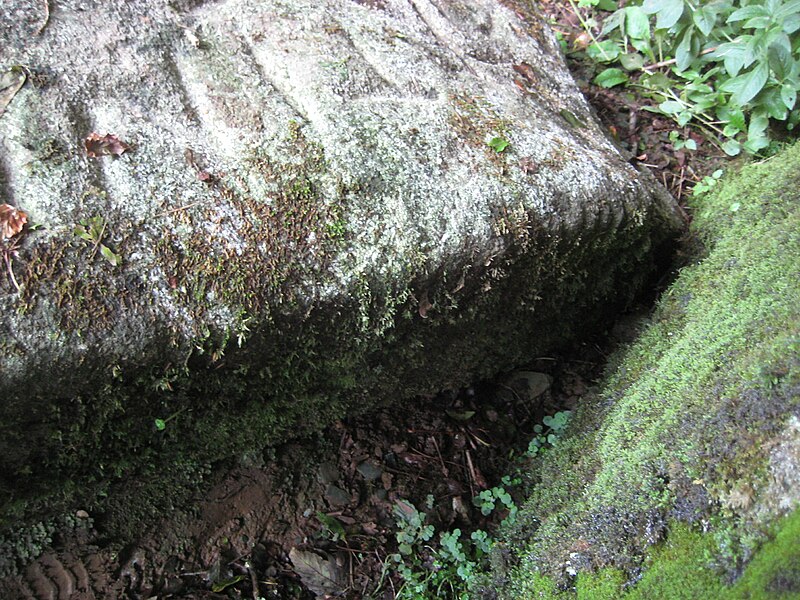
(682, 431)
(498, 144)
(556, 425)
(271, 371)
(451, 568)
(682, 568)
(498, 497)
(727, 67)
(93, 230)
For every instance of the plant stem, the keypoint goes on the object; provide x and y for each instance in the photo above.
(672, 61)
(576, 11)
(11, 271)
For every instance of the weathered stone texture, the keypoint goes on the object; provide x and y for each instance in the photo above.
(310, 187)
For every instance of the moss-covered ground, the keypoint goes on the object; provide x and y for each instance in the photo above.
(679, 439)
(683, 568)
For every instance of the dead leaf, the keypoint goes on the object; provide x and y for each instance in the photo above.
(740, 497)
(528, 166)
(10, 83)
(321, 576)
(529, 385)
(103, 145)
(526, 71)
(370, 528)
(12, 220)
(405, 510)
(582, 41)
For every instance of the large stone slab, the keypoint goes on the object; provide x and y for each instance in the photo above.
(318, 207)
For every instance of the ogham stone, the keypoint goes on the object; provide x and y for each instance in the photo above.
(282, 211)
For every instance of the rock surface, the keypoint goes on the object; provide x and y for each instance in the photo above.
(316, 206)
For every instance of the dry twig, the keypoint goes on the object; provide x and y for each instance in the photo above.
(46, 4)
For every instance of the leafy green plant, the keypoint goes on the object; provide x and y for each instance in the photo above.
(412, 527)
(450, 569)
(728, 67)
(93, 230)
(707, 183)
(496, 497)
(543, 438)
(680, 143)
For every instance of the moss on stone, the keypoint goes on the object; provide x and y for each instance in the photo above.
(774, 572)
(684, 567)
(606, 584)
(685, 423)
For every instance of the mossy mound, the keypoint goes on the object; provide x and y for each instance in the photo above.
(683, 568)
(696, 428)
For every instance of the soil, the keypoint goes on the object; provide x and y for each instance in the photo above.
(334, 495)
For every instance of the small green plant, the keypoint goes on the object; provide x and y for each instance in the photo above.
(543, 438)
(496, 497)
(707, 183)
(498, 144)
(450, 569)
(727, 67)
(161, 424)
(412, 527)
(679, 143)
(93, 230)
(332, 528)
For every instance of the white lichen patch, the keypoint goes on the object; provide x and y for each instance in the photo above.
(285, 152)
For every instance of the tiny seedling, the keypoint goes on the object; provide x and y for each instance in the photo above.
(679, 143)
(544, 438)
(498, 144)
(93, 230)
(161, 424)
(707, 183)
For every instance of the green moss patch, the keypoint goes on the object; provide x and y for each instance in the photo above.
(684, 424)
(684, 567)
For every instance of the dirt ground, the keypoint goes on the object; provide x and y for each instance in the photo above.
(333, 495)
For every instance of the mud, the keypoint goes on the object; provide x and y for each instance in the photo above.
(330, 494)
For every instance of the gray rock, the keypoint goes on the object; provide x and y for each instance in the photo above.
(369, 470)
(310, 214)
(527, 385)
(336, 496)
(328, 473)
